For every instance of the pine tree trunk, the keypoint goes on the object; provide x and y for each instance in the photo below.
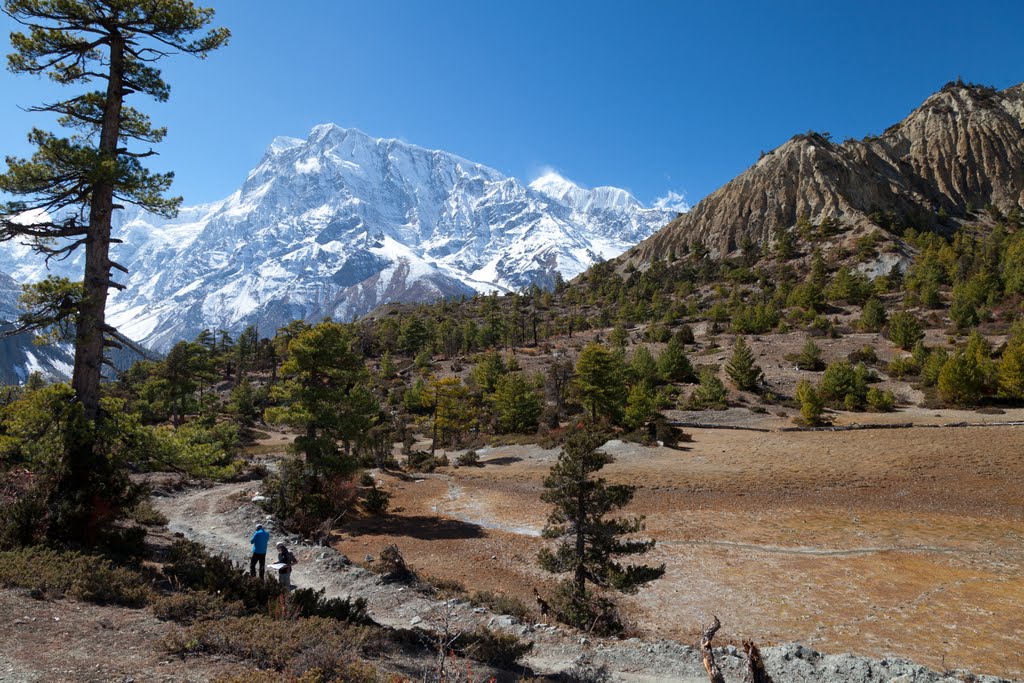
(91, 321)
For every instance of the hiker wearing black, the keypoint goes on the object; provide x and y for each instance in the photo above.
(286, 559)
(259, 550)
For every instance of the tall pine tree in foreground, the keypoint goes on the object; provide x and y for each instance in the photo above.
(589, 540)
(66, 193)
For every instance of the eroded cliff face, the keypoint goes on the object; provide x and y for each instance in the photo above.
(963, 147)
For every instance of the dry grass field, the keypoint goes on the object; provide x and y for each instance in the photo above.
(890, 542)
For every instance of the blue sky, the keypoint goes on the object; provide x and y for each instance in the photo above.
(653, 96)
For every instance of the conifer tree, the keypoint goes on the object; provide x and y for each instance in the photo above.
(589, 541)
(812, 406)
(904, 330)
(641, 405)
(600, 382)
(742, 369)
(643, 368)
(710, 393)
(453, 411)
(489, 370)
(1011, 372)
(673, 363)
(517, 403)
(324, 395)
(70, 187)
(961, 380)
(63, 196)
(810, 357)
(873, 316)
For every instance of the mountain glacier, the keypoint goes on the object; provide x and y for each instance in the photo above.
(342, 222)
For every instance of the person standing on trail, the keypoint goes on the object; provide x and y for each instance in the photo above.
(285, 560)
(259, 542)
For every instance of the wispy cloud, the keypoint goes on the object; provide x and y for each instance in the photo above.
(672, 201)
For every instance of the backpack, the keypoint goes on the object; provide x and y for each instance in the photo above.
(291, 557)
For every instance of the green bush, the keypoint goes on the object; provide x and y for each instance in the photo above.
(880, 401)
(710, 393)
(376, 500)
(89, 578)
(468, 459)
(145, 514)
(312, 603)
(845, 385)
(903, 366)
(192, 606)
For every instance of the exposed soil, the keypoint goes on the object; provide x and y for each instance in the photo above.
(65, 640)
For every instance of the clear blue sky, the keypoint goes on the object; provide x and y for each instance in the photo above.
(644, 94)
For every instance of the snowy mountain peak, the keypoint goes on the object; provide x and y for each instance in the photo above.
(283, 143)
(342, 222)
(557, 187)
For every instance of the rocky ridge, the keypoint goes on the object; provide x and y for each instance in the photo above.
(961, 150)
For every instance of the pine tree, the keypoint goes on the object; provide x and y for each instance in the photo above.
(904, 330)
(1011, 372)
(74, 184)
(811, 404)
(711, 393)
(489, 370)
(643, 368)
(62, 198)
(873, 316)
(600, 382)
(673, 363)
(453, 411)
(961, 381)
(742, 369)
(810, 357)
(324, 395)
(517, 404)
(589, 541)
(641, 405)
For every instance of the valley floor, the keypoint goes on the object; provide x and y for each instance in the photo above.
(904, 542)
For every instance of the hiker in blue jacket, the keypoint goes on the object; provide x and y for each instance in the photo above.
(259, 542)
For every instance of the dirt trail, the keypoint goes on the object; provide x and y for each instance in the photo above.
(222, 519)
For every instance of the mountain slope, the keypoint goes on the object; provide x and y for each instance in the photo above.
(19, 356)
(340, 223)
(962, 148)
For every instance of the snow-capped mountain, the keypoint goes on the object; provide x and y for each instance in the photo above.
(19, 356)
(342, 222)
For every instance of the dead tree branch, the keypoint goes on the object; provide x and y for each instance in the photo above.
(707, 634)
(756, 673)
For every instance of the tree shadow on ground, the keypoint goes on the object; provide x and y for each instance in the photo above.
(417, 526)
(507, 460)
